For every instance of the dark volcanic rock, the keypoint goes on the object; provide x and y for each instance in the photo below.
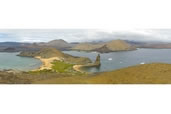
(97, 62)
(10, 49)
(103, 49)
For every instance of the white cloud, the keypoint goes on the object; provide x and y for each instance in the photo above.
(85, 35)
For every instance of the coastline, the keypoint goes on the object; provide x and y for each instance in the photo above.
(78, 68)
(46, 63)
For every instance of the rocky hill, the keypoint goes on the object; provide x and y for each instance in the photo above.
(58, 44)
(119, 45)
(43, 53)
(114, 45)
(87, 46)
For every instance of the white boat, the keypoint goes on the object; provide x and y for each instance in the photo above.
(142, 63)
(109, 59)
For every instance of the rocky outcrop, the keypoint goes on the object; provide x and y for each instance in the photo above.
(103, 49)
(97, 62)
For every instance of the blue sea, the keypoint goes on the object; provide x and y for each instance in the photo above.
(117, 60)
(12, 61)
(109, 61)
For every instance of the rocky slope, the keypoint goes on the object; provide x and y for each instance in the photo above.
(155, 73)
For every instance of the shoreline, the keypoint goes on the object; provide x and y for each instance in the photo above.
(78, 68)
(46, 63)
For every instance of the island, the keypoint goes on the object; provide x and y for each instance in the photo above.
(105, 47)
(51, 58)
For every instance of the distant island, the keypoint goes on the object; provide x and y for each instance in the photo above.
(111, 46)
(101, 47)
(105, 47)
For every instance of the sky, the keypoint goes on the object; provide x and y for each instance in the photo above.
(83, 35)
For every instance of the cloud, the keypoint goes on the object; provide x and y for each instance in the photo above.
(83, 35)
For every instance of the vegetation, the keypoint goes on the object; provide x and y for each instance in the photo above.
(62, 67)
(156, 73)
(44, 71)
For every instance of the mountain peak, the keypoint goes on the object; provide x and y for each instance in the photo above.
(57, 40)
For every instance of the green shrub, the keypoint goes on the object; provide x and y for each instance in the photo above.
(62, 67)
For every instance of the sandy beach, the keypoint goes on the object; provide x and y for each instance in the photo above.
(78, 68)
(46, 63)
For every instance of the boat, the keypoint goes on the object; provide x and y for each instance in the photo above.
(142, 63)
(109, 59)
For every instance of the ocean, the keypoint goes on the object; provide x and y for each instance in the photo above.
(109, 61)
(12, 61)
(117, 60)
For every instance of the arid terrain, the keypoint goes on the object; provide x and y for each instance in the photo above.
(156, 73)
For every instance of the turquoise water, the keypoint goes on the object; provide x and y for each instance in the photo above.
(117, 60)
(11, 61)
